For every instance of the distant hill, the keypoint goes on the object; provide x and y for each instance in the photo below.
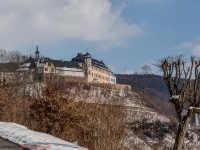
(155, 89)
(135, 80)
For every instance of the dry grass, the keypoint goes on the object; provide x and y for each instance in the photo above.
(63, 111)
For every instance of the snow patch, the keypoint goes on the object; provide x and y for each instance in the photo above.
(191, 107)
(175, 96)
(27, 138)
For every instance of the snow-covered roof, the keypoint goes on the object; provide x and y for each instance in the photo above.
(22, 69)
(40, 65)
(80, 58)
(30, 139)
(25, 65)
(68, 69)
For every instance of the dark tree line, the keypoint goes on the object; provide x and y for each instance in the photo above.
(135, 80)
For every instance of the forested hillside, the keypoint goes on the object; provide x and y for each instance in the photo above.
(153, 86)
(136, 81)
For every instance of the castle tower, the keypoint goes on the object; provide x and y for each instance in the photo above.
(37, 52)
(88, 62)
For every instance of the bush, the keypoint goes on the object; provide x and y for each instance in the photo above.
(13, 107)
(154, 130)
(64, 111)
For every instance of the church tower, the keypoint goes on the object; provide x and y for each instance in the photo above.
(37, 52)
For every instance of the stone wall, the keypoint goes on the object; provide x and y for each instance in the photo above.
(113, 86)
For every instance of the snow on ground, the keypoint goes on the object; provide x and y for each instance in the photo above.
(134, 142)
(142, 113)
(136, 108)
(136, 111)
(34, 140)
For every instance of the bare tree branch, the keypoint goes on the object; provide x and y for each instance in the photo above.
(183, 82)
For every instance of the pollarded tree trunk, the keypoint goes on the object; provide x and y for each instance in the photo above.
(183, 126)
(183, 88)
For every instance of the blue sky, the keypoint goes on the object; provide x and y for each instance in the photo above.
(122, 33)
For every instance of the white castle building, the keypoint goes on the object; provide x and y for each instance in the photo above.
(35, 69)
(81, 67)
(95, 71)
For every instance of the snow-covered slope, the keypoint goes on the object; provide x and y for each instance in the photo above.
(34, 140)
(137, 111)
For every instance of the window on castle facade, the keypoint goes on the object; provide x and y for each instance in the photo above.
(46, 69)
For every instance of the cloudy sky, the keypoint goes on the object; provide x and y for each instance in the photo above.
(122, 33)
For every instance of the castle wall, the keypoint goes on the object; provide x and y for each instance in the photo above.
(49, 68)
(100, 75)
(73, 72)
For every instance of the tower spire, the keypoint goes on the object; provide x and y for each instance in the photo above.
(36, 46)
(37, 52)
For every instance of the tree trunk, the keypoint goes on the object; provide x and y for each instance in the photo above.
(183, 125)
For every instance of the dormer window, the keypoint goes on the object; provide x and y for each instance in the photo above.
(49, 64)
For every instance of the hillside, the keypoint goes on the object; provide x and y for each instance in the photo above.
(148, 127)
(155, 89)
(93, 116)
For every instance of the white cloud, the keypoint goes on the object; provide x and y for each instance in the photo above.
(184, 45)
(148, 1)
(196, 50)
(193, 46)
(109, 44)
(45, 21)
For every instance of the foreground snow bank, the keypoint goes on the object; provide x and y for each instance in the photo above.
(34, 140)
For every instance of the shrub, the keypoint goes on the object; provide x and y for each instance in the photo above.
(65, 111)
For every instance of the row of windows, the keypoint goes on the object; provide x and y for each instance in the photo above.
(112, 80)
(47, 69)
(100, 70)
(99, 76)
(87, 60)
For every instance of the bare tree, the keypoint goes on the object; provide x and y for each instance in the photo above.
(11, 56)
(14, 56)
(3, 55)
(183, 82)
(146, 71)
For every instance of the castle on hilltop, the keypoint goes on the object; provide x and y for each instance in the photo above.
(82, 67)
(95, 71)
